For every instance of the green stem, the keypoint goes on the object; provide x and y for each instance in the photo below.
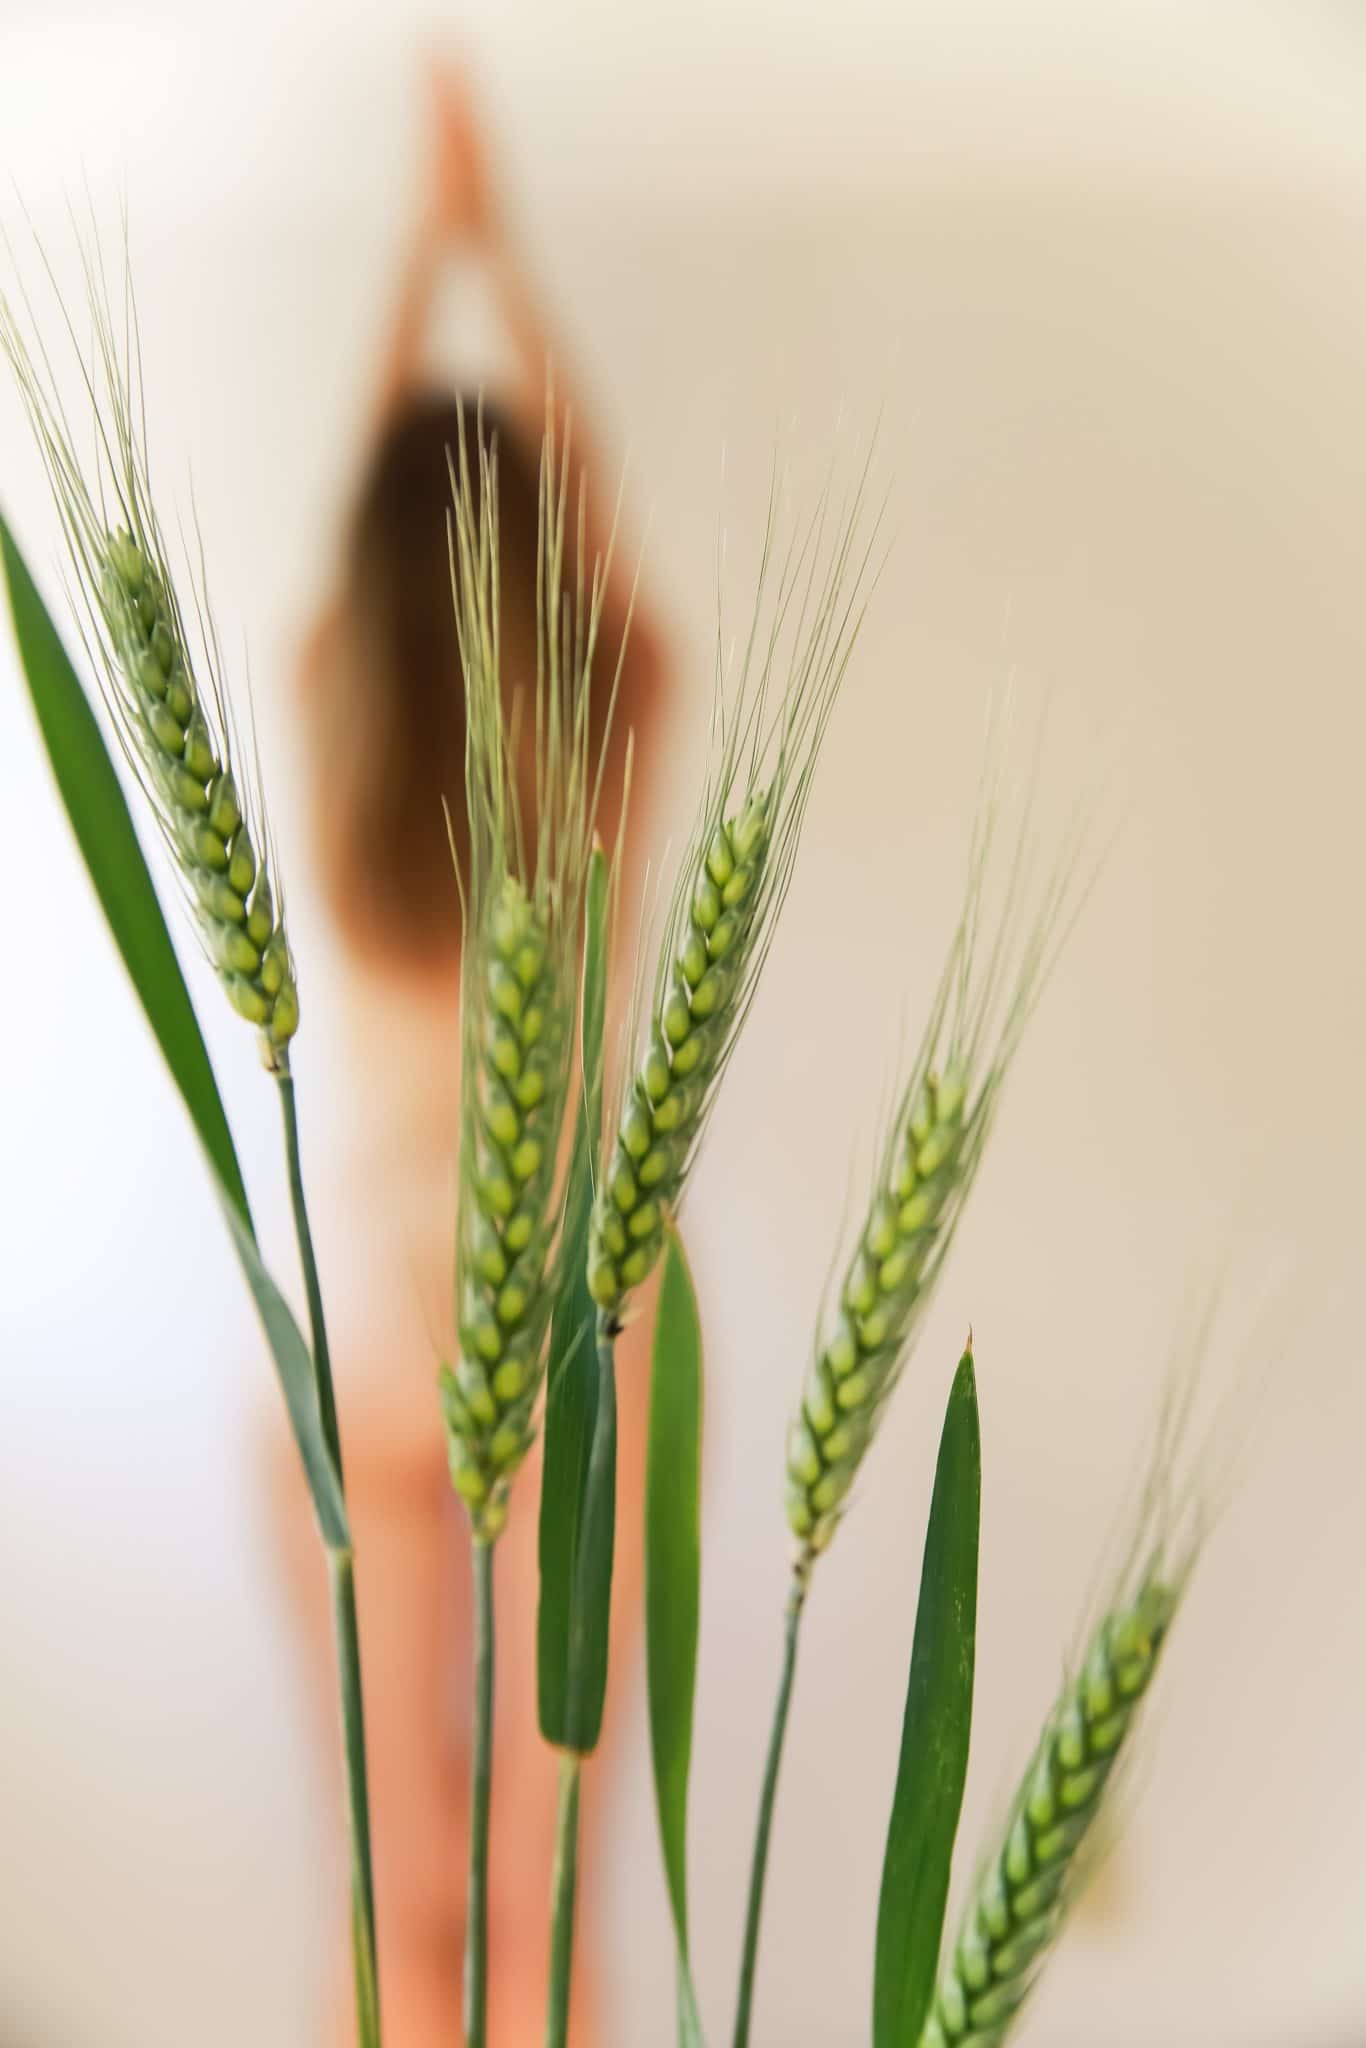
(563, 1886)
(759, 1867)
(322, 1361)
(342, 1573)
(477, 1921)
(364, 1960)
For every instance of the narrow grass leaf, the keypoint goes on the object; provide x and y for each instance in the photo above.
(592, 1611)
(673, 1567)
(572, 1372)
(689, 2019)
(294, 1369)
(100, 818)
(934, 1736)
(103, 825)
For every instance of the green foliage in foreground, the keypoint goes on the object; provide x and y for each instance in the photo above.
(549, 1257)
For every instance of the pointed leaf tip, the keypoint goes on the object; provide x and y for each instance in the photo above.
(934, 1743)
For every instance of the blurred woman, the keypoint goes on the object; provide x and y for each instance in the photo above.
(384, 709)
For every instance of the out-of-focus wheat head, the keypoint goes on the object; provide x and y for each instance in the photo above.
(162, 683)
(523, 906)
(768, 724)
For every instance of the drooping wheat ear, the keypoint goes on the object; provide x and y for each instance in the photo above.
(165, 697)
(927, 1168)
(1034, 1871)
(732, 880)
(523, 915)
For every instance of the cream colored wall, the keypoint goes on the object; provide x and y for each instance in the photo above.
(1103, 269)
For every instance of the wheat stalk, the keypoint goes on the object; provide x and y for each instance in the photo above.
(929, 1161)
(523, 902)
(164, 696)
(731, 882)
(168, 708)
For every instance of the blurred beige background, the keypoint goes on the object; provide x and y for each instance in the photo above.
(1102, 268)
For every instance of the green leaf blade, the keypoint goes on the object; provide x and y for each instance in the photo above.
(935, 1734)
(294, 1370)
(103, 825)
(673, 1570)
(571, 1412)
(589, 1637)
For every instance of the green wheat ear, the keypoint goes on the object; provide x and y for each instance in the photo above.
(929, 1162)
(1035, 1868)
(1021, 1899)
(523, 901)
(163, 691)
(731, 883)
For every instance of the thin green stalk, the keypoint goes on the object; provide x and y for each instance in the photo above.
(322, 1359)
(759, 1867)
(563, 1887)
(364, 1959)
(477, 1921)
(342, 1573)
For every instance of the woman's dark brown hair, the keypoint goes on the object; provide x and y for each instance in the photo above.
(388, 724)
